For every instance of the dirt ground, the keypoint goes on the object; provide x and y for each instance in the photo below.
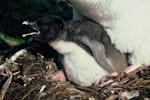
(28, 78)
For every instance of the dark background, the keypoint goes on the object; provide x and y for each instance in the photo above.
(14, 12)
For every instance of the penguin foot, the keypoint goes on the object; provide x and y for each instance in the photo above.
(58, 76)
(106, 79)
(131, 68)
(109, 78)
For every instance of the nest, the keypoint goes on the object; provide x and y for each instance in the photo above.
(26, 76)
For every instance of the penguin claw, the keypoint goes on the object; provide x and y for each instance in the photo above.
(107, 79)
(132, 68)
(110, 78)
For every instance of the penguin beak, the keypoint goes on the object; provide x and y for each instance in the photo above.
(34, 35)
(33, 26)
(37, 36)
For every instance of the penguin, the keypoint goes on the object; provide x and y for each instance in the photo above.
(126, 23)
(86, 50)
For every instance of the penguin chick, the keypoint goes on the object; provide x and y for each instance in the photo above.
(77, 44)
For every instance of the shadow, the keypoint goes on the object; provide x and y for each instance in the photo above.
(14, 12)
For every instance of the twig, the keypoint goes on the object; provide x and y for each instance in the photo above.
(5, 87)
(28, 93)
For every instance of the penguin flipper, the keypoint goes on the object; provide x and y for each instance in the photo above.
(98, 52)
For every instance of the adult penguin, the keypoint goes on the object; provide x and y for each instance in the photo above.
(126, 22)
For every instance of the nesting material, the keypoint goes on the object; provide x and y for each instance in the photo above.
(27, 78)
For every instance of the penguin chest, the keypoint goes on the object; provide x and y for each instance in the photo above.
(81, 68)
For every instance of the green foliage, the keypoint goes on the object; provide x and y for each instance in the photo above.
(10, 40)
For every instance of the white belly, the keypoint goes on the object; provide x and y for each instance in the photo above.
(80, 67)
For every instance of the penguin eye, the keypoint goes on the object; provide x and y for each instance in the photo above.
(44, 28)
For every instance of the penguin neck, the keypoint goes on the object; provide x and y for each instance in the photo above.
(67, 26)
(66, 41)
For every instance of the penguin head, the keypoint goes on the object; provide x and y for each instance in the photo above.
(47, 28)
